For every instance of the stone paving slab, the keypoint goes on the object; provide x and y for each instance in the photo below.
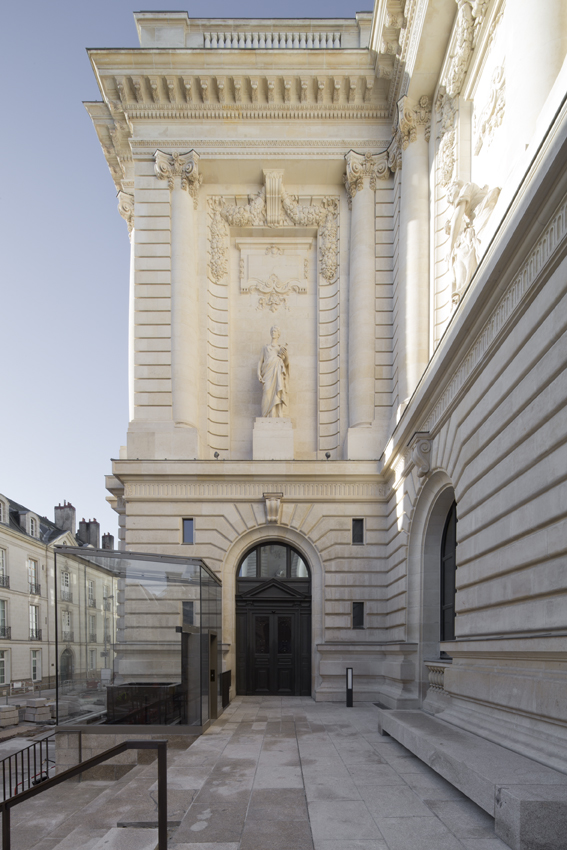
(273, 774)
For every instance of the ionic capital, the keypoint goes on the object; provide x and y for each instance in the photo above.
(126, 209)
(361, 167)
(183, 165)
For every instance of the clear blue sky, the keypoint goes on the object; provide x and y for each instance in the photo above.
(65, 251)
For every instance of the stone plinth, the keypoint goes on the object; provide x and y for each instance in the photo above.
(8, 716)
(272, 439)
(37, 711)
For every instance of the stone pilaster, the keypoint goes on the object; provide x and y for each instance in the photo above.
(411, 145)
(360, 181)
(182, 174)
(126, 210)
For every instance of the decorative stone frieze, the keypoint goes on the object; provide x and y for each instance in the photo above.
(361, 167)
(183, 165)
(273, 502)
(126, 209)
(493, 112)
(420, 448)
(446, 157)
(542, 257)
(251, 490)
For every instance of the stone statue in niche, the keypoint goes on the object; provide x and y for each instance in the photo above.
(273, 374)
(472, 207)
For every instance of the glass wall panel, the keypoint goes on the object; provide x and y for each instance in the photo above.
(134, 636)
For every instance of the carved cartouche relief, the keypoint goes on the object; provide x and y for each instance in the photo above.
(323, 216)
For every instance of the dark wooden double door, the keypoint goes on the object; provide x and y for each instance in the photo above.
(273, 646)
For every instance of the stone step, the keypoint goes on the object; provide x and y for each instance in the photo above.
(528, 800)
(130, 800)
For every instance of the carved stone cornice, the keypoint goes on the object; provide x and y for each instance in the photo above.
(183, 165)
(126, 209)
(361, 167)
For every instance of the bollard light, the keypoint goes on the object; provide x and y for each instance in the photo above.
(349, 701)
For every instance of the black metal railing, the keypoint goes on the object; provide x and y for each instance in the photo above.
(92, 637)
(68, 636)
(28, 767)
(4, 580)
(106, 604)
(160, 746)
(35, 634)
(66, 595)
(91, 602)
(35, 588)
(6, 632)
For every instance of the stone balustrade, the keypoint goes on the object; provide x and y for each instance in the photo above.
(273, 40)
(436, 671)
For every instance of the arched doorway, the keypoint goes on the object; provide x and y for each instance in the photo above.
(66, 666)
(273, 622)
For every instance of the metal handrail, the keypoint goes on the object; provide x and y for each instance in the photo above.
(160, 746)
(13, 767)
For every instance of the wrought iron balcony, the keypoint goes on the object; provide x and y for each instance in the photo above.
(92, 637)
(4, 580)
(106, 604)
(35, 588)
(66, 595)
(35, 634)
(5, 632)
(68, 636)
(92, 602)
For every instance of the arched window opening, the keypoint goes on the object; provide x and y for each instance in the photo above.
(448, 575)
(273, 560)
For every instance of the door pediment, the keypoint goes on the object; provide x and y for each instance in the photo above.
(272, 589)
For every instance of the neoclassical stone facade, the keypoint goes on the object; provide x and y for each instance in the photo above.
(390, 193)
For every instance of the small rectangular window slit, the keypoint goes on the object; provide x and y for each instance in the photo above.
(358, 615)
(358, 532)
(188, 531)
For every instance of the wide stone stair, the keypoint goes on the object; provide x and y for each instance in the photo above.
(113, 814)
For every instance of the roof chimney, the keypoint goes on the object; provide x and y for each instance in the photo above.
(65, 517)
(89, 532)
(107, 541)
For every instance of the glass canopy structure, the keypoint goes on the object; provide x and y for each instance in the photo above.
(138, 639)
